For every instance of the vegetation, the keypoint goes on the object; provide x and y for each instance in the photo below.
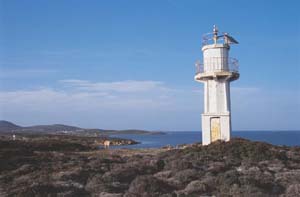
(73, 167)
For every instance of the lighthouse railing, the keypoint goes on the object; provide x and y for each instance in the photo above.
(208, 39)
(218, 64)
(199, 67)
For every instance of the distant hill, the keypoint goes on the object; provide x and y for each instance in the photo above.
(9, 127)
(52, 128)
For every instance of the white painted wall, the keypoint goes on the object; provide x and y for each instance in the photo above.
(216, 96)
(215, 57)
(216, 92)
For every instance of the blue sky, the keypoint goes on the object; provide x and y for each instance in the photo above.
(130, 64)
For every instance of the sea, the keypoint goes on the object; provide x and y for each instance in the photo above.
(287, 138)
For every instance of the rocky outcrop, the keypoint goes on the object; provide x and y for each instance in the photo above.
(236, 168)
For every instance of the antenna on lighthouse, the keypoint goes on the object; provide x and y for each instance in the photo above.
(229, 40)
(214, 37)
(215, 32)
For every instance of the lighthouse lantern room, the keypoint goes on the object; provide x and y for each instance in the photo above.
(216, 72)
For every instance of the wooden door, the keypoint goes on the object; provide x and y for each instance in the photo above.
(215, 129)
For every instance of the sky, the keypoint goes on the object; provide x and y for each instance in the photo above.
(130, 64)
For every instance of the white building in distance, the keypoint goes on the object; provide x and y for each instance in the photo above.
(216, 72)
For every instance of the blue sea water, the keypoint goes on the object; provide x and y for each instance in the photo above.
(288, 138)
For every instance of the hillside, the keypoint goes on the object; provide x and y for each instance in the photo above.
(236, 168)
(51, 128)
(8, 127)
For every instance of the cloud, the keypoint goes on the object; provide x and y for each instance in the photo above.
(49, 99)
(84, 95)
(143, 104)
(118, 104)
(119, 86)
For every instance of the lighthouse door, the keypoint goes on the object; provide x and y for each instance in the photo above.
(215, 129)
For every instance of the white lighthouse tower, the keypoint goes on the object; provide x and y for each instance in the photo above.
(216, 72)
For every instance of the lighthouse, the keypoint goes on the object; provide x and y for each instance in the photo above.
(216, 72)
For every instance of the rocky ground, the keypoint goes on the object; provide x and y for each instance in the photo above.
(57, 142)
(237, 168)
